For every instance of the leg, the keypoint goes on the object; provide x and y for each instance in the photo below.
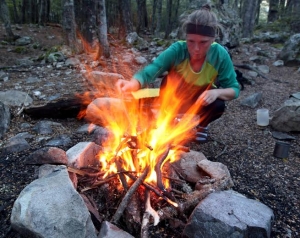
(211, 112)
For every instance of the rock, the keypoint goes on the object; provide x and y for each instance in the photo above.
(15, 98)
(47, 155)
(51, 207)
(287, 117)
(229, 214)
(252, 100)
(83, 155)
(109, 230)
(187, 167)
(290, 53)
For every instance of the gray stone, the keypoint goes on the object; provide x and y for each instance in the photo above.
(51, 207)
(290, 52)
(60, 140)
(15, 98)
(47, 155)
(287, 117)
(109, 230)
(83, 155)
(228, 214)
(252, 100)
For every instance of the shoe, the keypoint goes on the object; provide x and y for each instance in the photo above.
(201, 134)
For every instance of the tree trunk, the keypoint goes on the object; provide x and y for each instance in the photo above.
(142, 15)
(4, 16)
(16, 16)
(102, 29)
(126, 16)
(68, 24)
(43, 7)
(249, 12)
(85, 18)
(153, 21)
(158, 21)
(295, 22)
(169, 18)
(273, 10)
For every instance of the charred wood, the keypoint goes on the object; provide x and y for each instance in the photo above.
(128, 196)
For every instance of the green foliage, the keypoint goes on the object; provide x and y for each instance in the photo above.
(278, 46)
(21, 50)
(48, 52)
(275, 26)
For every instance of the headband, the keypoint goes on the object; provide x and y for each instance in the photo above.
(192, 28)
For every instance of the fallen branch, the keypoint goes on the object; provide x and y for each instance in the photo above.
(128, 196)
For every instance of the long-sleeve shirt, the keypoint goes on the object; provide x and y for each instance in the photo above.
(176, 58)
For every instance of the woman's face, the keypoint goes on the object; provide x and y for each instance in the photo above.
(198, 45)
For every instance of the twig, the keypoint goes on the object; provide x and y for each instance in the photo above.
(128, 196)
(158, 169)
(158, 193)
(22, 108)
(149, 211)
(95, 185)
(121, 175)
(224, 149)
(84, 173)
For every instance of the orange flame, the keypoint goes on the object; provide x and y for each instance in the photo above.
(130, 124)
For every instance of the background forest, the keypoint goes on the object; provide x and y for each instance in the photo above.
(151, 17)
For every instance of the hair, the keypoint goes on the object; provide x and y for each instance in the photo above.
(204, 16)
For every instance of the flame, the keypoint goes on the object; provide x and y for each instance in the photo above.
(138, 140)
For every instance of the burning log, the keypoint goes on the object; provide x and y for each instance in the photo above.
(121, 175)
(128, 195)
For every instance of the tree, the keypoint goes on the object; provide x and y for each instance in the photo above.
(273, 13)
(126, 16)
(249, 13)
(295, 22)
(44, 8)
(102, 29)
(142, 16)
(4, 14)
(68, 24)
(158, 19)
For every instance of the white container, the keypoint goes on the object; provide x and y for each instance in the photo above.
(262, 117)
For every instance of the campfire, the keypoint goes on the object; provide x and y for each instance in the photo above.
(147, 135)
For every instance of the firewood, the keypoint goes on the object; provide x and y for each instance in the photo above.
(128, 195)
(149, 211)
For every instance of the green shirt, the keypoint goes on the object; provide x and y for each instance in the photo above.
(217, 65)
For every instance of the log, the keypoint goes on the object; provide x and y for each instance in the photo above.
(64, 108)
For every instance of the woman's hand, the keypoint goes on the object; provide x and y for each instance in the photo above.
(208, 97)
(125, 87)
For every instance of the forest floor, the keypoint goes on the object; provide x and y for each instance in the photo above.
(235, 139)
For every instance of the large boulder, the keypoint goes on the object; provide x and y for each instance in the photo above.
(287, 117)
(229, 214)
(51, 207)
(290, 54)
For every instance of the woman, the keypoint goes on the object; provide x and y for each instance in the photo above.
(195, 65)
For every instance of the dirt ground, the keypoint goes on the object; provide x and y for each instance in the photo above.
(235, 139)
